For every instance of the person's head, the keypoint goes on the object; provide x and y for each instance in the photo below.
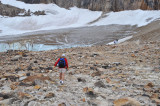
(63, 55)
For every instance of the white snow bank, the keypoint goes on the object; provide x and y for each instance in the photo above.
(130, 17)
(58, 18)
(120, 40)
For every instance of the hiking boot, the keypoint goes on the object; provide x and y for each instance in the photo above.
(62, 82)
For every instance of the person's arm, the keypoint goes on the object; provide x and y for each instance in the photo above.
(56, 63)
(66, 63)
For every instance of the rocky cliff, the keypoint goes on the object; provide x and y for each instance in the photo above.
(6, 10)
(11, 11)
(104, 5)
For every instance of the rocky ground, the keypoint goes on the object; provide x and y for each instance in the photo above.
(11, 11)
(126, 74)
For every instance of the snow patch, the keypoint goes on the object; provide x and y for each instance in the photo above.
(58, 18)
(121, 40)
(130, 17)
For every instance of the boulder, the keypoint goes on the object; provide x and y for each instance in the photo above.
(100, 84)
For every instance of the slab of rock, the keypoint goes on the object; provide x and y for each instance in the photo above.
(98, 73)
(62, 104)
(16, 58)
(22, 78)
(50, 95)
(37, 87)
(100, 84)
(126, 102)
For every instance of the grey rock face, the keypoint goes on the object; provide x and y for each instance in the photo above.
(6, 10)
(104, 5)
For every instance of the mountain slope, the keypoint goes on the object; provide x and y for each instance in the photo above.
(150, 32)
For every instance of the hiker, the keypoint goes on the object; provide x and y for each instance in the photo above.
(63, 67)
(116, 41)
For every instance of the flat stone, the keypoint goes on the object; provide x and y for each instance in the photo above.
(22, 78)
(100, 84)
(62, 104)
(98, 73)
(37, 87)
(50, 95)
(16, 58)
(126, 102)
(81, 80)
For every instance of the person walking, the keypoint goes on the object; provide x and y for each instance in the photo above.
(63, 67)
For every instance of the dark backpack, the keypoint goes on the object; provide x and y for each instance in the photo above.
(61, 63)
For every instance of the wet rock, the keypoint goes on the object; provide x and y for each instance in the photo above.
(100, 84)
